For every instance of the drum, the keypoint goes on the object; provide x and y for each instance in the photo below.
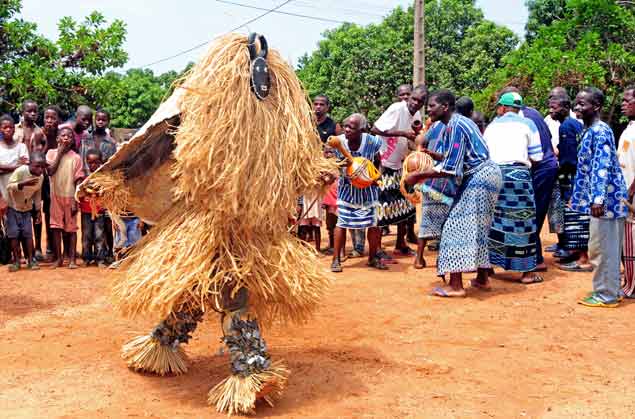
(417, 161)
(362, 172)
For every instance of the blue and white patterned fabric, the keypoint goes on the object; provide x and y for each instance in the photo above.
(599, 179)
(436, 194)
(357, 208)
(464, 242)
(464, 147)
(512, 237)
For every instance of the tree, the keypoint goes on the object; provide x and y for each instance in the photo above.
(34, 67)
(133, 97)
(542, 13)
(587, 47)
(361, 67)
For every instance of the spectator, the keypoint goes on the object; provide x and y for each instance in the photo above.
(24, 192)
(79, 127)
(12, 153)
(600, 191)
(93, 220)
(65, 171)
(27, 131)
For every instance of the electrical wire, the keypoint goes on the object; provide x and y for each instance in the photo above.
(202, 44)
(321, 19)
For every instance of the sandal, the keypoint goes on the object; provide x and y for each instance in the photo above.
(377, 264)
(575, 267)
(534, 279)
(442, 292)
(72, 266)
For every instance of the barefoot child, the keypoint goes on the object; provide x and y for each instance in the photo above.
(93, 220)
(25, 192)
(65, 171)
(52, 119)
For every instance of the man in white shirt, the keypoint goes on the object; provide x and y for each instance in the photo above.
(395, 126)
(514, 144)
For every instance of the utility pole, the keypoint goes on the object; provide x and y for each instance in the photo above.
(419, 75)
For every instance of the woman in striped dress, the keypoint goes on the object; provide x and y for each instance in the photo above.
(357, 208)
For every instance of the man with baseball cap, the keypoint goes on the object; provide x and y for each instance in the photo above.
(514, 144)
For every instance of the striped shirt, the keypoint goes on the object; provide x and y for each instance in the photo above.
(513, 139)
(346, 192)
(465, 149)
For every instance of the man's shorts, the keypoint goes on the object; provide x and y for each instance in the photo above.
(61, 217)
(19, 224)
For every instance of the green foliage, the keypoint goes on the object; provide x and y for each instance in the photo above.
(360, 68)
(133, 97)
(542, 13)
(76, 69)
(590, 45)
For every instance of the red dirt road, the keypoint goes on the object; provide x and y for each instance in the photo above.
(379, 347)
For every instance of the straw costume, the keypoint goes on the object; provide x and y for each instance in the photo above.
(218, 169)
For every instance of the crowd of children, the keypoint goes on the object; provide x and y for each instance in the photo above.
(40, 168)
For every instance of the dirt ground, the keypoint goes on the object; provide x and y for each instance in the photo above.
(378, 347)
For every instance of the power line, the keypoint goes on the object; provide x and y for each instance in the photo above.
(321, 19)
(195, 47)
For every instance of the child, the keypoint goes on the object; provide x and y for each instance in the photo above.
(27, 131)
(93, 220)
(52, 119)
(311, 220)
(24, 191)
(600, 190)
(65, 171)
(12, 153)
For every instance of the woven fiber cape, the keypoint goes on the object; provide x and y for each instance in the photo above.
(218, 170)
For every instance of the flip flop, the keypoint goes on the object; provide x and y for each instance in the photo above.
(527, 280)
(574, 267)
(484, 287)
(440, 292)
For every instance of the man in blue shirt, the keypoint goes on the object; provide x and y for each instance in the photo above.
(600, 191)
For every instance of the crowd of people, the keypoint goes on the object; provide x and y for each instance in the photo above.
(483, 203)
(491, 189)
(40, 168)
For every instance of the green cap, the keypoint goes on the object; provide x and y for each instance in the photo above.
(511, 99)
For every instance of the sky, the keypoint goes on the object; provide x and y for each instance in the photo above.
(160, 28)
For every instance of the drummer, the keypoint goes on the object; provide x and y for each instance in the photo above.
(357, 208)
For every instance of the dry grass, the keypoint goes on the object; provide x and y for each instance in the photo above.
(240, 164)
(237, 394)
(145, 353)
